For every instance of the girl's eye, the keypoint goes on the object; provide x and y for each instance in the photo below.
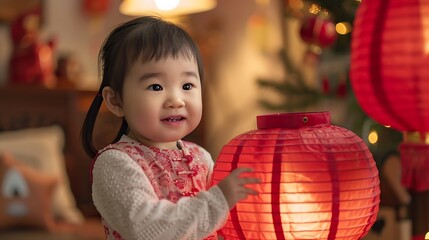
(155, 87)
(187, 86)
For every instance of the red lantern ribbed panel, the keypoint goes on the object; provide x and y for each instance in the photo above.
(390, 63)
(318, 181)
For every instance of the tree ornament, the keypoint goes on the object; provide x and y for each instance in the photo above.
(318, 30)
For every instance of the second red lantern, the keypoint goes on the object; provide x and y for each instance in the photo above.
(318, 181)
(390, 63)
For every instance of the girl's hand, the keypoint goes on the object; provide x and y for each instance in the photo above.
(233, 186)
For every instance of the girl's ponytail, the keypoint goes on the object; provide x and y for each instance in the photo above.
(88, 125)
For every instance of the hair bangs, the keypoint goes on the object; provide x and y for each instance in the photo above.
(157, 43)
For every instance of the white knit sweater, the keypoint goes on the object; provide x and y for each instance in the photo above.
(131, 209)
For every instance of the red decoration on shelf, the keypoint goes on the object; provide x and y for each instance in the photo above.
(318, 181)
(319, 31)
(32, 62)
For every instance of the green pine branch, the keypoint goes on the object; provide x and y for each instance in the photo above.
(296, 93)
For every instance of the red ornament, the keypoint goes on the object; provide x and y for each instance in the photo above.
(325, 85)
(32, 61)
(390, 63)
(318, 181)
(96, 7)
(319, 31)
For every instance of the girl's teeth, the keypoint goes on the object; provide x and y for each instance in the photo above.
(173, 119)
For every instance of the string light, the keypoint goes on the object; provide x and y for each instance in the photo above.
(373, 137)
(343, 28)
(314, 9)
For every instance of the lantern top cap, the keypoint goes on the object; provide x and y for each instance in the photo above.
(293, 120)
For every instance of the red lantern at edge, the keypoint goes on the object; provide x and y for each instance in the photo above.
(318, 181)
(390, 62)
(389, 76)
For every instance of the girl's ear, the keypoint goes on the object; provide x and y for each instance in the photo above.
(113, 101)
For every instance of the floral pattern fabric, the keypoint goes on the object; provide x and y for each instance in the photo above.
(173, 173)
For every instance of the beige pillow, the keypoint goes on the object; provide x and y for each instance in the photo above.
(42, 149)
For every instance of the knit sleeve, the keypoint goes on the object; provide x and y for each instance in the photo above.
(126, 200)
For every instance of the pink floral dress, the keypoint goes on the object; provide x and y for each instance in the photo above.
(173, 173)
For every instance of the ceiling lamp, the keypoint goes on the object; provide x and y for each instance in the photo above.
(165, 7)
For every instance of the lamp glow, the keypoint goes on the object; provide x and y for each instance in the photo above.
(165, 8)
(167, 5)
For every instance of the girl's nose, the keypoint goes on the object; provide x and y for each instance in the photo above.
(175, 101)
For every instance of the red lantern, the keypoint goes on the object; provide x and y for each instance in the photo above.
(389, 76)
(318, 181)
(390, 64)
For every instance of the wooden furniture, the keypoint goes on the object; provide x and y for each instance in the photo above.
(28, 106)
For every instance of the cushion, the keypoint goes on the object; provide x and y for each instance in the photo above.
(42, 149)
(26, 195)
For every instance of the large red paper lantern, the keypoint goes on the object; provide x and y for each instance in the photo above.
(318, 181)
(390, 63)
(389, 76)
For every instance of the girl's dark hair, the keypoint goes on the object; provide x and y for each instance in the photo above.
(141, 39)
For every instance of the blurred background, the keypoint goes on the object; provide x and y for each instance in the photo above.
(260, 56)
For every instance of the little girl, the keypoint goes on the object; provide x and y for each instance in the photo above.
(149, 184)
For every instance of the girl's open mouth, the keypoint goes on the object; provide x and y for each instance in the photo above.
(173, 119)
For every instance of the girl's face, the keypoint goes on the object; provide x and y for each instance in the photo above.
(161, 100)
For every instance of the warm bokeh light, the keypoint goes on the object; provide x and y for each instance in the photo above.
(343, 28)
(166, 5)
(165, 8)
(314, 9)
(373, 137)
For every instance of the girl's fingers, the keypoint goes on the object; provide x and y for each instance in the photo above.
(251, 191)
(251, 180)
(244, 181)
(239, 171)
(246, 192)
